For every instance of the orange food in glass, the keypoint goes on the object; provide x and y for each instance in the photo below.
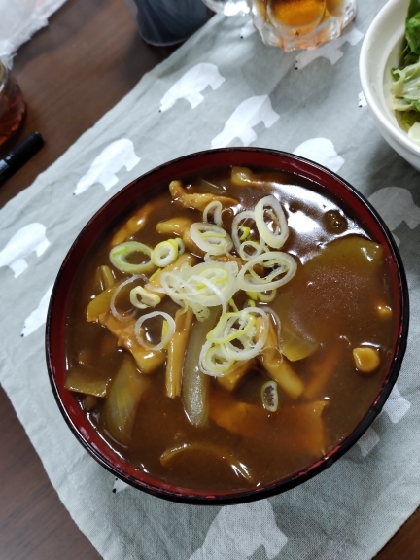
(297, 13)
(335, 7)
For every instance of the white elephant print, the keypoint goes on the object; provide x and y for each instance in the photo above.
(396, 406)
(28, 239)
(330, 50)
(248, 114)
(191, 84)
(396, 205)
(119, 486)
(110, 161)
(368, 441)
(248, 29)
(38, 317)
(239, 530)
(322, 151)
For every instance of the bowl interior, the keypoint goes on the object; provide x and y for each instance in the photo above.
(380, 52)
(133, 194)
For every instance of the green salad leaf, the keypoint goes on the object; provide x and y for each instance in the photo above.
(406, 86)
(412, 27)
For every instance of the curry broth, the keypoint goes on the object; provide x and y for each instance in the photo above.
(332, 302)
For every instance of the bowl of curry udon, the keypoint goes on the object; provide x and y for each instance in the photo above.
(227, 326)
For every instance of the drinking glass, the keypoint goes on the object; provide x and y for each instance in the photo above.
(167, 22)
(292, 24)
(12, 105)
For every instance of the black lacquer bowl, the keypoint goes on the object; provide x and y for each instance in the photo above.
(131, 196)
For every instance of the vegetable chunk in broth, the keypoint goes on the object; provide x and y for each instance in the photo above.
(231, 330)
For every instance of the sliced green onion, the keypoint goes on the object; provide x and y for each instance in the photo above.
(224, 331)
(164, 341)
(232, 305)
(164, 333)
(147, 299)
(237, 227)
(257, 246)
(215, 208)
(114, 296)
(204, 285)
(181, 246)
(270, 396)
(234, 339)
(276, 238)
(213, 240)
(118, 257)
(265, 297)
(213, 361)
(243, 232)
(283, 265)
(165, 252)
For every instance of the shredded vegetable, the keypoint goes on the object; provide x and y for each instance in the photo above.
(234, 339)
(201, 286)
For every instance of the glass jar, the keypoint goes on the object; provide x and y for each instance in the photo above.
(12, 105)
(292, 24)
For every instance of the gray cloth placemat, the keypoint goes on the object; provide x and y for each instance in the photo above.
(223, 87)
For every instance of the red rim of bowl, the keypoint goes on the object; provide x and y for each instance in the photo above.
(115, 208)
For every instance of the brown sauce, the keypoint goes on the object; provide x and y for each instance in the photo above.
(335, 303)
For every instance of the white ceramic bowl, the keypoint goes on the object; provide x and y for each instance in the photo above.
(379, 54)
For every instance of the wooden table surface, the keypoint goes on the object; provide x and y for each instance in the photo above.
(71, 73)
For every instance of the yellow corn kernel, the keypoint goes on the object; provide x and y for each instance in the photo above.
(383, 311)
(366, 358)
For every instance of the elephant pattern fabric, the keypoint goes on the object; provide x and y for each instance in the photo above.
(223, 88)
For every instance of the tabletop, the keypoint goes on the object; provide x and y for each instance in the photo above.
(71, 73)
